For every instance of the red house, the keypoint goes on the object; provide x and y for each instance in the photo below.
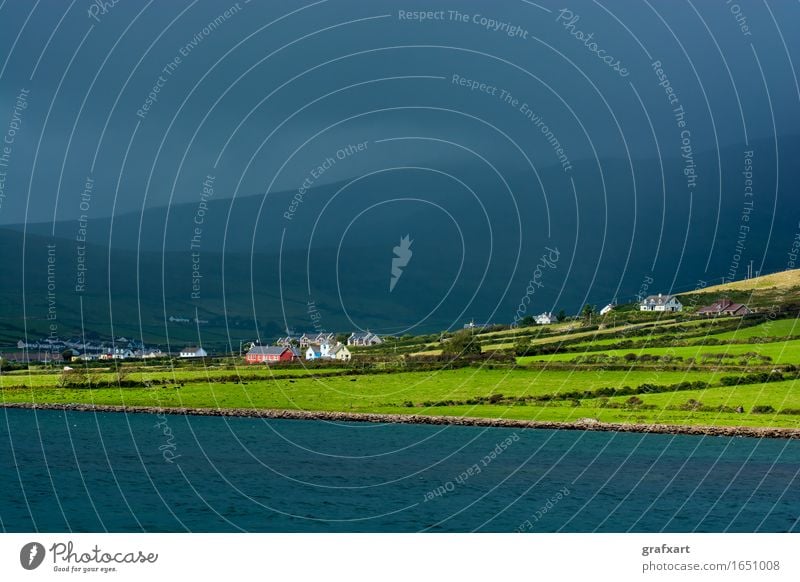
(269, 355)
(724, 307)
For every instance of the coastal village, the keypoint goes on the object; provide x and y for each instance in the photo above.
(702, 356)
(306, 346)
(311, 346)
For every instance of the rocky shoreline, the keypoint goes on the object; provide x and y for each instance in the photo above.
(581, 424)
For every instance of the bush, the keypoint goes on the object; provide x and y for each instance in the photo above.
(522, 345)
(463, 343)
(757, 378)
(692, 404)
(763, 409)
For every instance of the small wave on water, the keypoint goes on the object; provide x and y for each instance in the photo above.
(83, 471)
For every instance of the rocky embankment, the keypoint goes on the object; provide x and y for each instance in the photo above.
(581, 424)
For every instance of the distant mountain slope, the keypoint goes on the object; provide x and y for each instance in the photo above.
(476, 250)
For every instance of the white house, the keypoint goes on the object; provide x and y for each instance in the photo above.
(325, 349)
(365, 338)
(660, 303)
(193, 352)
(313, 353)
(324, 338)
(607, 309)
(545, 318)
(122, 354)
(288, 341)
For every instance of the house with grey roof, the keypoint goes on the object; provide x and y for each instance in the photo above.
(545, 318)
(270, 354)
(364, 338)
(660, 303)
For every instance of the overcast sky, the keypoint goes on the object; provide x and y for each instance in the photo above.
(262, 94)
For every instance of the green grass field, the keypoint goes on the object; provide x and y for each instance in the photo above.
(779, 395)
(398, 387)
(778, 328)
(783, 352)
(492, 390)
(782, 328)
(388, 393)
(162, 374)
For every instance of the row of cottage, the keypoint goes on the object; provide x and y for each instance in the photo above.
(668, 303)
(56, 349)
(311, 346)
(365, 338)
(722, 306)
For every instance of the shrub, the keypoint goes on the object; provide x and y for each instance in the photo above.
(463, 343)
(691, 404)
(757, 378)
(763, 409)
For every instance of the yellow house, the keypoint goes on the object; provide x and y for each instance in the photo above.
(340, 352)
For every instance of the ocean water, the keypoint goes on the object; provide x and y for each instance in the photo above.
(79, 471)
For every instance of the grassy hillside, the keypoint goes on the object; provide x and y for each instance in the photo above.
(665, 368)
(782, 280)
(784, 352)
(776, 291)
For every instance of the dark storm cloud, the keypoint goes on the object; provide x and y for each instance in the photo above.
(96, 71)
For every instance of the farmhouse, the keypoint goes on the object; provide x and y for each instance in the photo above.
(365, 338)
(660, 303)
(324, 349)
(288, 341)
(269, 354)
(724, 307)
(324, 338)
(545, 318)
(607, 309)
(327, 351)
(193, 352)
(122, 354)
(313, 353)
(341, 353)
(477, 326)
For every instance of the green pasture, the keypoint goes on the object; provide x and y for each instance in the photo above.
(781, 352)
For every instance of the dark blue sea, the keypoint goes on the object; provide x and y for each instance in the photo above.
(87, 472)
